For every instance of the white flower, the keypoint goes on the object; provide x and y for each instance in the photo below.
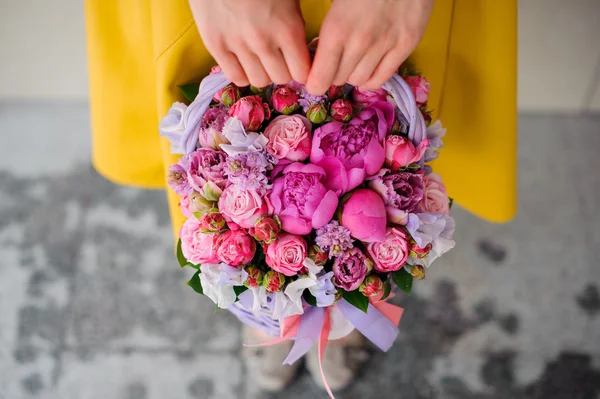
(285, 307)
(241, 141)
(313, 268)
(435, 132)
(295, 290)
(221, 294)
(172, 126)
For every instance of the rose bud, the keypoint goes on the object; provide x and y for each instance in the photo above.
(212, 222)
(266, 230)
(420, 88)
(251, 111)
(372, 286)
(400, 152)
(417, 271)
(273, 281)
(255, 277)
(284, 100)
(335, 92)
(257, 90)
(317, 113)
(341, 110)
(418, 252)
(230, 95)
(316, 254)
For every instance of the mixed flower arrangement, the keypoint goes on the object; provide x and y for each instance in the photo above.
(297, 204)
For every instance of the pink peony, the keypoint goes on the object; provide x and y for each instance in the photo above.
(235, 248)
(341, 110)
(391, 254)
(420, 88)
(350, 269)
(400, 152)
(285, 100)
(205, 172)
(286, 254)
(435, 197)
(289, 137)
(197, 247)
(211, 131)
(364, 215)
(243, 207)
(301, 200)
(251, 111)
(401, 193)
(364, 98)
(349, 152)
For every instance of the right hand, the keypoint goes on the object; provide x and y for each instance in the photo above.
(255, 42)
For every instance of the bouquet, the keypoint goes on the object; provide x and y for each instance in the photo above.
(303, 212)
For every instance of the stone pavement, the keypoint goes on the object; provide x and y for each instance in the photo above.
(93, 306)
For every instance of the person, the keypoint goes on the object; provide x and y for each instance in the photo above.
(140, 52)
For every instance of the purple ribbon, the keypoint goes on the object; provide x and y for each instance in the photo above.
(311, 323)
(373, 325)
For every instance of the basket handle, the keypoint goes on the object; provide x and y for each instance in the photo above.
(210, 85)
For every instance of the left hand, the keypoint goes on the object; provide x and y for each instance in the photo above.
(363, 42)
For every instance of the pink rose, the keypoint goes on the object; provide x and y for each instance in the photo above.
(350, 269)
(420, 88)
(265, 230)
(348, 152)
(435, 197)
(341, 110)
(243, 207)
(400, 152)
(235, 248)
(364, 215)
(372, 286)
(363, 98)
(289, 137)
(391, 254)
(184, 204)
(211, 130)
(284, 100)
(286, 255)
(251, 111)
(197, 247)
(300, 199)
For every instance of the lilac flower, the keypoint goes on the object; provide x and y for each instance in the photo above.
(178, 180)
(334, 238)
(324, 290)
(248, 171)
(307, 100)
(401, 193)
(431, 228)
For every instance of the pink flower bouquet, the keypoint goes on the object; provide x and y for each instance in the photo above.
(304, 212)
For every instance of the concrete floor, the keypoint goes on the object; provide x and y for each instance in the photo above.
(93, 306)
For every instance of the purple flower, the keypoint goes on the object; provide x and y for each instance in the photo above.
(350, 269)
(205, 172)
(334, 238)
(248, 170)
(178, 181)
(324, 290)
(435, 132)
(431, 228)
(351, 151)
(306, 100)
(401, 193)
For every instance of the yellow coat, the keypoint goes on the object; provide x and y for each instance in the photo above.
(140, 51)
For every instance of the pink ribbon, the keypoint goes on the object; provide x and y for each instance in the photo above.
(379, 325)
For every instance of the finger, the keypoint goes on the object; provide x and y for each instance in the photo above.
(295, 53)
(387, 67)
(253, 68)
(231, 67)
(275, 66)
(350, 59)
(327, 60)
(365, 67)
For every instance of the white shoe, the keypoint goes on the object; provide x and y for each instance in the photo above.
(264, 364)
(341, 361)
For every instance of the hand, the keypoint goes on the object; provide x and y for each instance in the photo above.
(363, 42)
(254, 41)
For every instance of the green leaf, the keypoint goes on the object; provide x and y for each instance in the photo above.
(195, 283)
(387, 289)
(451, 202)
(190, 264)
(310, 298)
(238, 289)
(356, 299)
(180, 258)
(190, 91)
(403, 280)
